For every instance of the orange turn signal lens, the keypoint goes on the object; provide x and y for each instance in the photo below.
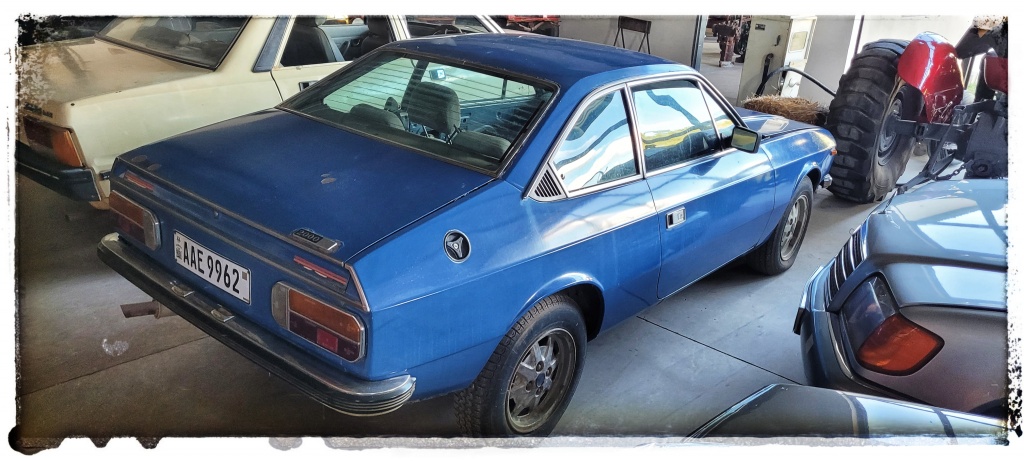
(55, 138)
(320, 323)
(333, 319)
(64, 147)
(898, 347)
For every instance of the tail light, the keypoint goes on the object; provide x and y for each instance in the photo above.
(318, 322)
(884, 340)
(135, 220)
(57, 139)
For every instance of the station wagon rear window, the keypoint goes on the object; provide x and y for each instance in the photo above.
(200, 40)
(463, 115)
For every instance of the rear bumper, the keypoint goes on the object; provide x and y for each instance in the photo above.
(78, 183)
(330, 386)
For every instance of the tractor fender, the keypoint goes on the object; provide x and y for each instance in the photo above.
(929, 64)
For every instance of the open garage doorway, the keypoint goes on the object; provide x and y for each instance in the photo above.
(722, 53)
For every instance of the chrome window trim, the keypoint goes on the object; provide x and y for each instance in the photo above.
(705, 89)
(624, 84)
(364, 306)
(564, 133)
(708, 88)
(634, 131)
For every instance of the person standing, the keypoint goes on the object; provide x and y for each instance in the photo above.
(727, 32)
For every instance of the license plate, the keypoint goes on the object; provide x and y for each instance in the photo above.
(214, 268)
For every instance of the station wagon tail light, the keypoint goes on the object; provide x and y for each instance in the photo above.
(57, 139)
(884, 340)
(135, 220)
(318, 322)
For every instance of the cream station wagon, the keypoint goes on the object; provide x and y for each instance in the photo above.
(81, 103)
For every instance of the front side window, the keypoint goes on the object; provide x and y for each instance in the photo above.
(461, 114)
(674, 123)
(598, 148)
(199, 40)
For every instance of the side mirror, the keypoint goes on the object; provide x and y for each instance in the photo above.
(745, 139)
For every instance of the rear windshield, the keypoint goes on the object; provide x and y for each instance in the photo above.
(199, 40)
(460, 114)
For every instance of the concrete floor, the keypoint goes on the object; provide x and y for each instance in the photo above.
(87, 371)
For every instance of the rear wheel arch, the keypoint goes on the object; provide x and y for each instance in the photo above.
(584, 291)
(590, 300)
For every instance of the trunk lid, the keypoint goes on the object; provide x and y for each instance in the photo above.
(285, 172)
(52, 74)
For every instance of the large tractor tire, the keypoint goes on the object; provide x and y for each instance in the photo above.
(871, 157)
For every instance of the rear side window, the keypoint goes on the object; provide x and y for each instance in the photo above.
(198, 40)
(598, 148)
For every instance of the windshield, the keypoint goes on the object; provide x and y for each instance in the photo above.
(421, 26)
(462, 115)
(202, 40)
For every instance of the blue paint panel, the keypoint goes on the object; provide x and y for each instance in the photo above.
(727, 199)
(287, 172)
(437, 307)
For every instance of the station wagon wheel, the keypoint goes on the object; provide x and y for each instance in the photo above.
(779, 252)
(527, 383)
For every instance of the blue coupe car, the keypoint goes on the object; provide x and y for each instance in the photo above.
(460, 214)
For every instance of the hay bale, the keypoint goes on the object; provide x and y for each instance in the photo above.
(799, 109)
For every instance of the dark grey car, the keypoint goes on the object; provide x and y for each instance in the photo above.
(914, 305)
(793, 413)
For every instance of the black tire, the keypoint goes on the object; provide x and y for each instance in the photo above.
(779, 252)
(870, 156)
(555, 329)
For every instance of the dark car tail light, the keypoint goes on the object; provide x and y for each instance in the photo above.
(884, 340)
(135, 220)
(318, 322)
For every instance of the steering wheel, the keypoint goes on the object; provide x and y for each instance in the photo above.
(445, 29)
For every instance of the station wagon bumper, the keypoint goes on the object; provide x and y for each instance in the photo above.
(74, 182)
(336, 389)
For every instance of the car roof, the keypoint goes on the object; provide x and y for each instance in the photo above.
(560, 60)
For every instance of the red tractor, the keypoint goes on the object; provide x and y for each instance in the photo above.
(898, 94)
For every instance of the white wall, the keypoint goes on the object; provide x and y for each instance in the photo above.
(907, 27)
(671, 36)
(833, 46)
(830, 55)
(835, 43)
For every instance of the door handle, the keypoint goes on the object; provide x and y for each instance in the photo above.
(675, 217)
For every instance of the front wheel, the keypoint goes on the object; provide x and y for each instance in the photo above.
(779, 252)
(526, 385)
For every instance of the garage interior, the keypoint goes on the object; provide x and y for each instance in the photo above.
(86, 371)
